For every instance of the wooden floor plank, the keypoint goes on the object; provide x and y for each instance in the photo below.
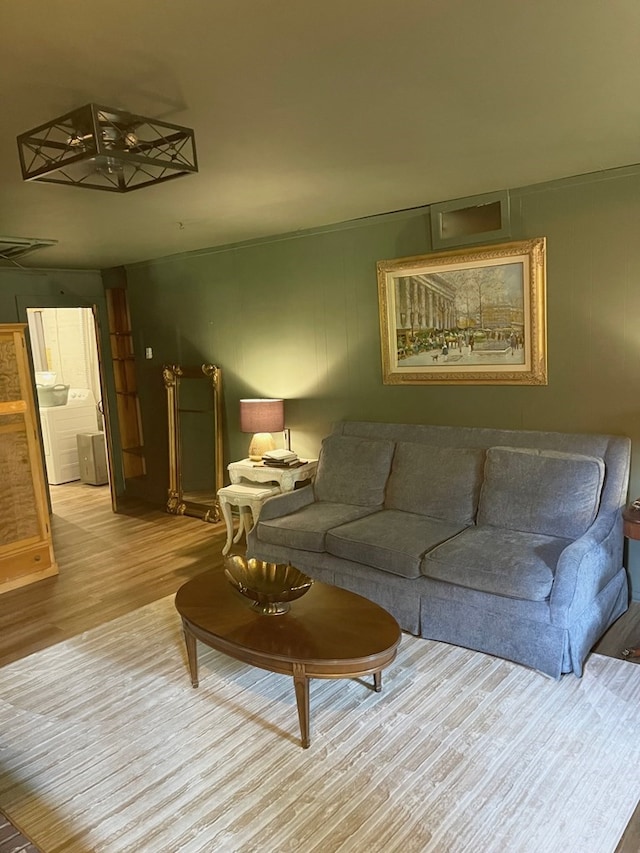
(12, 840)
(109, 565)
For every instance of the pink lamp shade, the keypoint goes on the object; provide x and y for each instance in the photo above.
(261, 417)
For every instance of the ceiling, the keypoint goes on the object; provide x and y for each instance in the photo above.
(310, 113)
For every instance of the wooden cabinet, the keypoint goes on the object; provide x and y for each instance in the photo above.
(26, 551)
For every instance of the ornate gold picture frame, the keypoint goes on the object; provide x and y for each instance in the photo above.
(473, 316)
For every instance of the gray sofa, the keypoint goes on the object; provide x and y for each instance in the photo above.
(504, 541)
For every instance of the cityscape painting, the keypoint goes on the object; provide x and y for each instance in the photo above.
(473, 316)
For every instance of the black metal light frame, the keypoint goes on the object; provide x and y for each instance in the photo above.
(102, 148)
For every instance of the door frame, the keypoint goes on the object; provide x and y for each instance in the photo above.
(98, 309)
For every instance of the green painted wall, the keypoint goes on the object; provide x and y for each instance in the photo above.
(40, 288)
(297, 317)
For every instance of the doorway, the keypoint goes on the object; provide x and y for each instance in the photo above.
(67, 370)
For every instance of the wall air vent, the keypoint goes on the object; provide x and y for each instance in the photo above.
(477, 219)
(15, 247)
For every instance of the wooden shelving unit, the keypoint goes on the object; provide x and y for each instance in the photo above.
(124, 371)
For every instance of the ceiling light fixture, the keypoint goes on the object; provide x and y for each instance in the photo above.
(106, 149)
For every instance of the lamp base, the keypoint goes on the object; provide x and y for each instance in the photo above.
(260, 444)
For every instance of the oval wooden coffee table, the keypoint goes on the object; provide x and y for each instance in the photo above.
(328, 633)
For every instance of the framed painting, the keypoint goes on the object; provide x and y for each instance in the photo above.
(472, 316)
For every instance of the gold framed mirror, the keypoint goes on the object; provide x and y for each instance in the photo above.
(196, 470)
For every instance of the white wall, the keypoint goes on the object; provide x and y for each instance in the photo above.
(70, 346)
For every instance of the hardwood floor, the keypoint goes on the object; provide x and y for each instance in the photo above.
(111, 564)
(12, 840)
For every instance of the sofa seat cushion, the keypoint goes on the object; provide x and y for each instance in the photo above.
(441, 482)
(353, 470)
(390, 540)
(306, 528)
(540, 491)
(503, 562)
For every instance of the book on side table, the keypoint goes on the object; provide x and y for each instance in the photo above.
(281, 459)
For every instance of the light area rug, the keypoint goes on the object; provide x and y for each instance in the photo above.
(105, 746)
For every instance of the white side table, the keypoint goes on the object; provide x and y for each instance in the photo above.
(256, 472)
(244, 496)
(251, 484)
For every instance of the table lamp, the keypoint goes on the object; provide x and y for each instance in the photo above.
(261, 417)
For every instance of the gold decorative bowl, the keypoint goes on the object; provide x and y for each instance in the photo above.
(271, 586)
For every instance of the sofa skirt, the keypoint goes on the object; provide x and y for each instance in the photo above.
(517, 630)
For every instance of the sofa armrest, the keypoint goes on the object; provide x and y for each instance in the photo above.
(585, 567)
(286, 503)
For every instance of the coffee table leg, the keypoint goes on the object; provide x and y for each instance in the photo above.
(301, 685)
(192, 654)
(377, 681)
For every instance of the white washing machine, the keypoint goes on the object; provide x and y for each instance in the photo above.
(60, 426)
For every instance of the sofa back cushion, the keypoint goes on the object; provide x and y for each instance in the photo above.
(540, 491)
(441, 482)
(353, 470)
